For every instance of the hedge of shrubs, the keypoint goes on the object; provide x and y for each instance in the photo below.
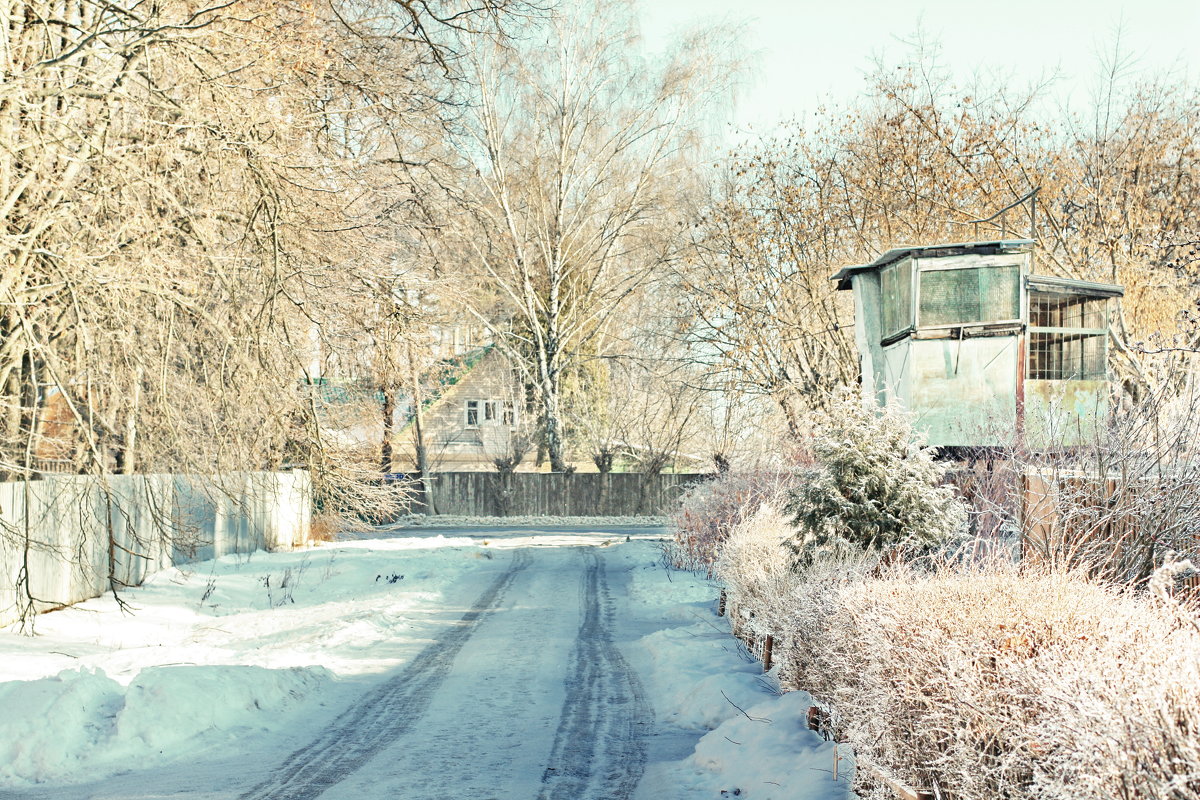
(975, 677)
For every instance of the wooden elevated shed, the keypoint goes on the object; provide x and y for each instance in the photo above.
(983, 351)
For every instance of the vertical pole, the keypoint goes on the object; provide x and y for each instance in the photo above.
(1033, 214)
(721, 604)
(768, 646)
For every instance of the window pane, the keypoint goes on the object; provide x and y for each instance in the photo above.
(896, 290)
(974, 295)
(472, 413)
(1068, 356)
(1053, 310)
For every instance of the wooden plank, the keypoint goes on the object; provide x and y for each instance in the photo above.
(902, 790)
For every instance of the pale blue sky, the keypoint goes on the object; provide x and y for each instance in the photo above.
(809, 51)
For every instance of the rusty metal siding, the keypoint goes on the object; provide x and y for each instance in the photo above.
(1064, 413)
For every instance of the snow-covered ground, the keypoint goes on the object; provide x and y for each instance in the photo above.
(454, 521)
(539, 664)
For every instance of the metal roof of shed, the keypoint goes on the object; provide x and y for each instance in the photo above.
(1048, 283)
(843, 275)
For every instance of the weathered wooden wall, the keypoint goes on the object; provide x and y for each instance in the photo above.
(621, 494)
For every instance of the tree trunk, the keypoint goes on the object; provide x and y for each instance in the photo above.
(789, 404)
(389, 428)
(553, 431)
(420, 452)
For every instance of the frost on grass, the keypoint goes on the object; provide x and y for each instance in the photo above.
(986, 680)
(975, 677)
(709, 512)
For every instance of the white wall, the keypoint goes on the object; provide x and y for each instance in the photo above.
(57, 530)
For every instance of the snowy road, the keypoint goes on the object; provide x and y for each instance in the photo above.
(599, 750)
(543, 666)
(383, 716)
(491, 720)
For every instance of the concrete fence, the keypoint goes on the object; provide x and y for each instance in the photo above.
(71, 537)
(619, 494)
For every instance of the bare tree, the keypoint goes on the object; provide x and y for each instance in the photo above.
(581, 150)
(182, 186)
(760, 314)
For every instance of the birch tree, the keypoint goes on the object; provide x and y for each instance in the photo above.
(582, 149)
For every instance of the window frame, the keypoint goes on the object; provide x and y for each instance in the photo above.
(920, 325)
(889, 336)
(1066, 334)
(471, 410)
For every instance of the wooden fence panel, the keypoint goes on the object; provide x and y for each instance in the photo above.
(621, 494)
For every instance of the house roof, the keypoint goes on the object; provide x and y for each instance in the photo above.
(843, 275)
(452, 372)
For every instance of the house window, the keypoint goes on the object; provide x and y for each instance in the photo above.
(472, 413)
(489, 411)
(970, 295)
(1068, 337)
(896, 287)
(510, 414)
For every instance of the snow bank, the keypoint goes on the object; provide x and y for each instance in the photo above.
(698, 676)
(752, 741)
(766, 754)
(267, 643)
(453, 521)
(83, 720)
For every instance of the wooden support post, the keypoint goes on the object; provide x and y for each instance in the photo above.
(721, 605)
(898, 787)
(768, 646)
(820, 721)
(814, 718)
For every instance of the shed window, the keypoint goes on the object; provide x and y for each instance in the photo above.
(970, 295)
(1068, 337)
(896, 288)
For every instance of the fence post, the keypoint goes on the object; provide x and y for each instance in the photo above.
(768, 646)
(721, 605)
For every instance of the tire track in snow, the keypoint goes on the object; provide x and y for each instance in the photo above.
(384, 713)
(599, 750)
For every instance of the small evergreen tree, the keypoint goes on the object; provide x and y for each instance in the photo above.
(874, 485)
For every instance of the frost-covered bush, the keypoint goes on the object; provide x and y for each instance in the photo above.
(993, 681)
(874, 485)
(755, 568)
(709, 511)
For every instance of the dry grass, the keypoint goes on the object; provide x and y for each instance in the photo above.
(710, 511)
(987, 681)
(326, 527)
